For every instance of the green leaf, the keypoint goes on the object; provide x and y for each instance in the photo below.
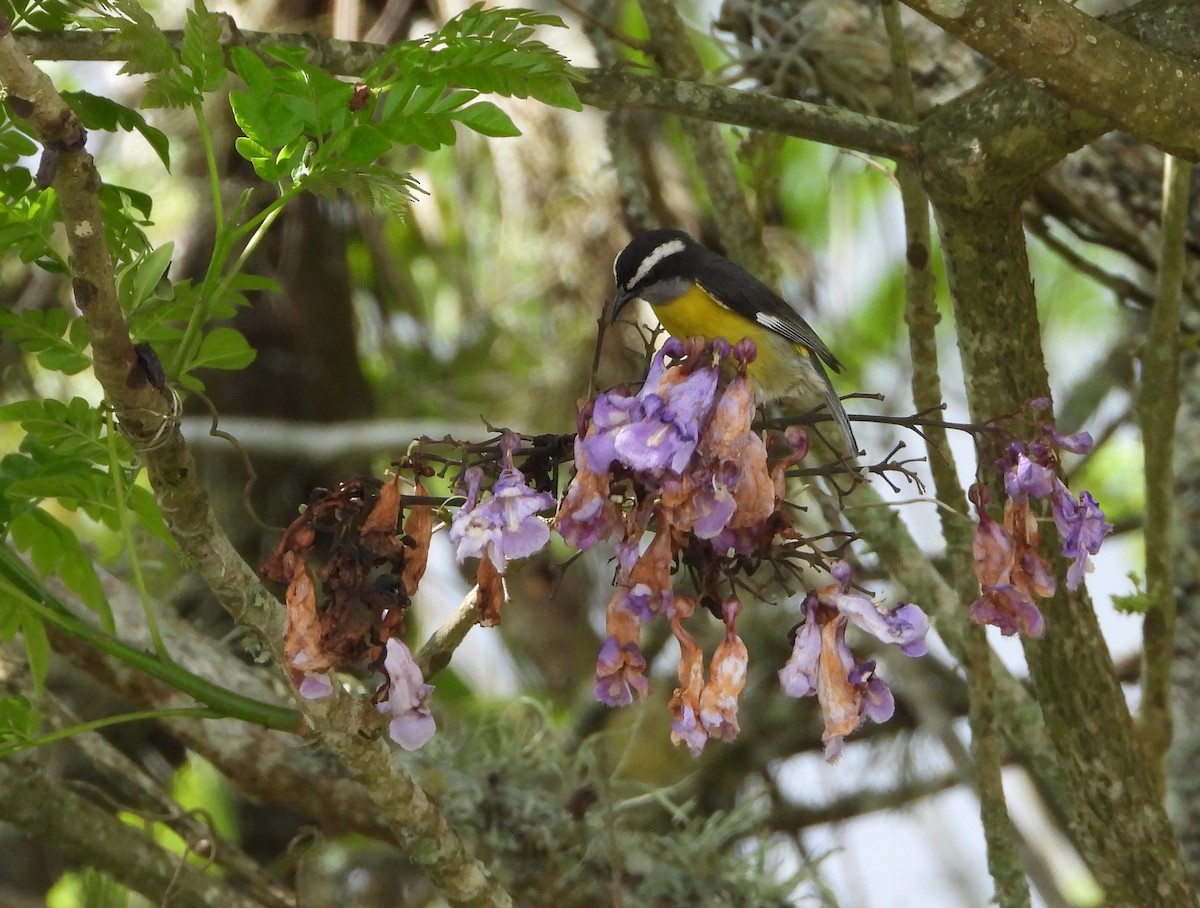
(486, 118)
(223, 348)
(14, 144)
(126, 211)
(146, 275)
(55, 550)
(42, 334)
(19, 719)
(262, 159)
(98, 112)
(372, 187)
(254, 72)
(272, 121)
(294, 57)
(362, 146)
(1135, 603)
(29, 217)
(202, 52)
(141, 43)
(143, 505)
(37, 648)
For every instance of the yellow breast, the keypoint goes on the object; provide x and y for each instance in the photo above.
(781, 366)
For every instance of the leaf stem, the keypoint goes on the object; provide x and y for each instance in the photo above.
(193, 712)
(17, 584)
(116, 471)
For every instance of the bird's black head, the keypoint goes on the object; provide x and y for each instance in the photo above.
(654, 260)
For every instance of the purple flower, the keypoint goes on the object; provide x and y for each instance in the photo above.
(878, 703)
(644, 602)
(587, 513)
(821, 663)
(1082, 527)
(687, 729)
(1028, 479)
(727, 679)
(906, 625)
(506, 526)
(315, 686)
(687, 725)
(713, 502)
(1076, 443)
(412, 724)
(1011, 610)
(798, 677)
(620, 670)
(611, 412)
(665, 437)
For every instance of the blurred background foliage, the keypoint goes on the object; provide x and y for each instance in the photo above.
(479, 307)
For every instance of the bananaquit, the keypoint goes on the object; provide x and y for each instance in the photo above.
(695, 291)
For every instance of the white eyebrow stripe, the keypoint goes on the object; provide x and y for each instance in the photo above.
(671, 247)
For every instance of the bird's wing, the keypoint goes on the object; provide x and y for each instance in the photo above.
(745, 294)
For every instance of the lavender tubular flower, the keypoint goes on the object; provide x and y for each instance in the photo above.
(412, 724)
(1027, 478)
(1005, 607)
(666, 436)
(506, 526)
(620, 670)
(1082, 526)
(905, 626)
(822, 663)
(727, 678)
(798, 677)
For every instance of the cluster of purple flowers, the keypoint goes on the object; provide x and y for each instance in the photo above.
(823, 665)
(1010, 567)
(684, 439)
(685, 445)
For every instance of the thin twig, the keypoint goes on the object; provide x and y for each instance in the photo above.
(435, 654)
(1158, 408)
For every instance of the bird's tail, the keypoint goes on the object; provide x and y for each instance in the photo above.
(838, 412)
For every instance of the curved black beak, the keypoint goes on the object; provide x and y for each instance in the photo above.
(622, 298)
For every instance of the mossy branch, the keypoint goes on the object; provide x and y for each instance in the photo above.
(1158, 407)
(1100, 760)
(605, 89)
(921, 315)
(1083, 61)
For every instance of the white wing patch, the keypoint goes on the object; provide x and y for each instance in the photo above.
(774, 323)
(657, 254)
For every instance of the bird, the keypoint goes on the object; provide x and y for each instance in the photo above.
(696, 291)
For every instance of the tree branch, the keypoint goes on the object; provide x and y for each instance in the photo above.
(1099, 758)
(921, 314)
(739, 229)
(1084, 62)
(993, 141)
(280, 773)
(1158, 409)
(87, 834)
(611, 89)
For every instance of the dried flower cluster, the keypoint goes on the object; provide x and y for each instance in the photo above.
(350, 610)
(1010, 567)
